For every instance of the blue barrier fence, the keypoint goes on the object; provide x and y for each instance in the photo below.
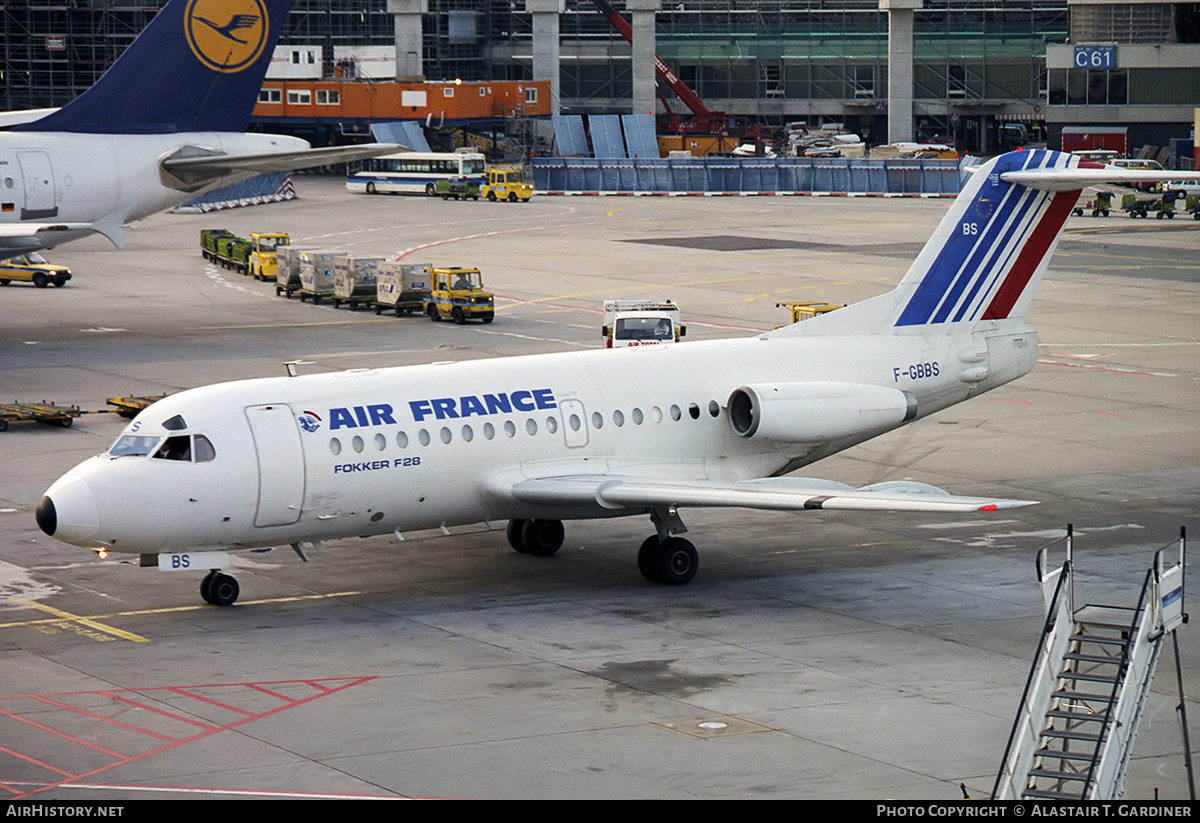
(747, 175)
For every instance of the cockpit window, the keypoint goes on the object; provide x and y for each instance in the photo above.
(202, 449)
(187, 448)
(174, 424)
(176, 448)
(133, 445)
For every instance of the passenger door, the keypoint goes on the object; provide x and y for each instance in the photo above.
(280, 464)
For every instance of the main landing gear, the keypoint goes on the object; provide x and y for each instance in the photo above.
(219, 589)
(541, 538)
(663, 557)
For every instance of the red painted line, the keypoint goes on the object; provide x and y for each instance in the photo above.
(61, 735)
(103, 719)
(161, 713)
(1092, 367)
(1017, 402)
(1110, 414)
(212, 702)
(275, 694)
(33, 761)
(318, 684)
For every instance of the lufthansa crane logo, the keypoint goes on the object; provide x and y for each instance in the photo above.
(226, 35)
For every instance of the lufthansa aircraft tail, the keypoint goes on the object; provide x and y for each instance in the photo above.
(986, 258)
(198, 67)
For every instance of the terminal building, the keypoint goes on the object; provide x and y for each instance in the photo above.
(984, 74)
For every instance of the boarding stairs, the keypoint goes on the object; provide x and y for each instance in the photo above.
(1074, 732)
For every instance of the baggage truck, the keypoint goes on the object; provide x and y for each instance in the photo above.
(457, 294)
(264, 247)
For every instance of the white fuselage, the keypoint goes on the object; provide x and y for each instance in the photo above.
(107, 180)
(374, 451)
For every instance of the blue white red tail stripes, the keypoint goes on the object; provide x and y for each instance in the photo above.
(198, 66)
(994, 241)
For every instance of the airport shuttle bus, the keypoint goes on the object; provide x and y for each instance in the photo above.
(416, 172)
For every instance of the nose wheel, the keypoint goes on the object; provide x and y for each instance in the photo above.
(219, 589)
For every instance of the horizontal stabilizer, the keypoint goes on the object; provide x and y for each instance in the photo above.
(1092, 174)
(779, 494)
(192, 168)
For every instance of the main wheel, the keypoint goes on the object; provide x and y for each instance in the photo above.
(646, 558)
(673, 561)
(542, 538)
(513, 533)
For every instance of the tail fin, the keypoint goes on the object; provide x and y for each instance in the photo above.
(986, 258)
(198, 66)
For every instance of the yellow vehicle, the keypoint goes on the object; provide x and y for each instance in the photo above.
(807, 311)
(457, 294)
(33, 268)
(262, 265)
(506, 184)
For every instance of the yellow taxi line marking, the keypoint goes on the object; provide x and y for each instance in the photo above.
(90, 621)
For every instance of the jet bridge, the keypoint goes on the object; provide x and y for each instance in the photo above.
(1074, 732)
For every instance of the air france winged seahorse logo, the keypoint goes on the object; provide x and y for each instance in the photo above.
(226, 35)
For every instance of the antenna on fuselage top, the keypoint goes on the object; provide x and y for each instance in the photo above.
(291, 365)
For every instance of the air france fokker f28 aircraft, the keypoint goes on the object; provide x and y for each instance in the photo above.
(162, 125)
(539, 439)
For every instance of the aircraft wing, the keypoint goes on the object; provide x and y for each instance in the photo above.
(22, 238)
(192, 168)
(779, 494)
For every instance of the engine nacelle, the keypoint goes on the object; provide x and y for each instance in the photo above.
(817, 412)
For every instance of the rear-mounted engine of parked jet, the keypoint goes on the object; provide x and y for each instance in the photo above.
(817, 412)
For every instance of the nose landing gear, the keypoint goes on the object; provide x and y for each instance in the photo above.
(219, 589)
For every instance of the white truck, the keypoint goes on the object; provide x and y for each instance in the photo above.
(640, 323)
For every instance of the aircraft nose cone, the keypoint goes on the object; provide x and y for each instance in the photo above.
(68, 511)
(46, 516)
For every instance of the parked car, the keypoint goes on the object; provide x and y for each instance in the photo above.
(33, 268)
